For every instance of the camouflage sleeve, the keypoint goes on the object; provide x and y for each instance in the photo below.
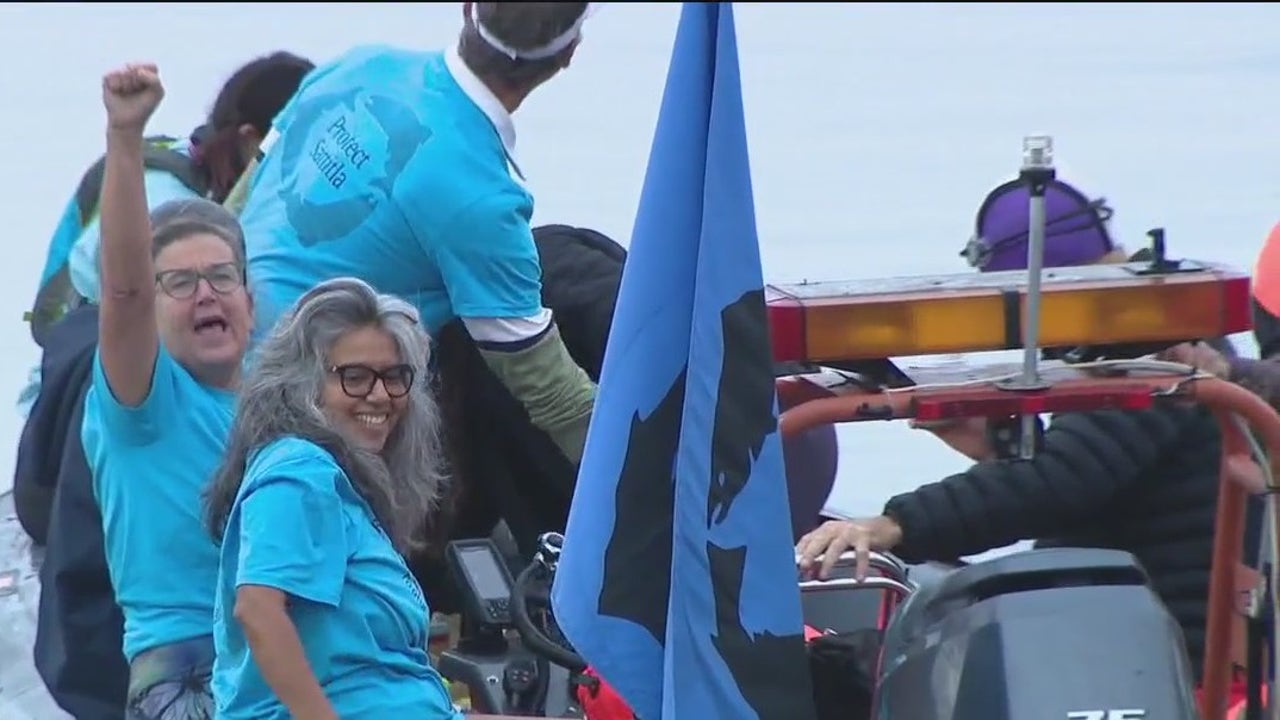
(555, 391)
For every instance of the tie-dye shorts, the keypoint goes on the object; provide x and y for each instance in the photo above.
(171, 682)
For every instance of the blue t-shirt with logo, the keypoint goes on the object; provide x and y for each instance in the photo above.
(298, 525)
(151, 465)
(385, 170)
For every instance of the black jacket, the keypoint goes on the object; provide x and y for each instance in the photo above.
(1266, 331)
(1141, 481)
(65, 369)
(80, 627)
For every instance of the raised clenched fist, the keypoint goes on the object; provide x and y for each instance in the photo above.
(131, 94)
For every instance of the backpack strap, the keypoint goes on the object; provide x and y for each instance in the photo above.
(54, 300)
(59, 295)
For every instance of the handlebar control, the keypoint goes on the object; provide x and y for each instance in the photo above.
(537, 639)
(520, 677)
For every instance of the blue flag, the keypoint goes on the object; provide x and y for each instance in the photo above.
(677, 581)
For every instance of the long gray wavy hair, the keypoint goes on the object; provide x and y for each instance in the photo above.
(281, 396)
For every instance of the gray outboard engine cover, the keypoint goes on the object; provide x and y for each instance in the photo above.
(1053, 634)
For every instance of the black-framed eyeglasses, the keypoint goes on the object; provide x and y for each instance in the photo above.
(1094, 214)
(358, 380)
(181, 284)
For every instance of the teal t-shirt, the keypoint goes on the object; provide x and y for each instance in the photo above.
(298, 525)
(150, 465)
(386, 170)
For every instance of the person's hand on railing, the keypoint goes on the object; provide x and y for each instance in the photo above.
(834, 537)
(967, 436)
(1200, 356)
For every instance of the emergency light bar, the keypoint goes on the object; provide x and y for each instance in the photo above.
(933, 314)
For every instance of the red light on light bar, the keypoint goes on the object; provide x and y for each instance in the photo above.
(1237, 306)
(786, 326)
(1002, 403)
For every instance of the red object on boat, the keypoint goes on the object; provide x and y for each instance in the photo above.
(599, 701)
(1237, 699)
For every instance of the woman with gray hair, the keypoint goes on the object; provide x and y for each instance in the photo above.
(334, 460)
(173, 326)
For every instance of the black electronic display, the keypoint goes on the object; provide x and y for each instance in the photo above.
(486, 580)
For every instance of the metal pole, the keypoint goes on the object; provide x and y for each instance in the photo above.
(1037, 172)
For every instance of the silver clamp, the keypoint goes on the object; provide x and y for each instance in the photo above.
(548, 554)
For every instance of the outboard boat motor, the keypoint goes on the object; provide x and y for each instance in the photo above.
(1074, 634)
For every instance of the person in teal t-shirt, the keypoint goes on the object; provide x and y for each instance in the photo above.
(332, 468)
(398, 167)
(206, 163)
(174, 323)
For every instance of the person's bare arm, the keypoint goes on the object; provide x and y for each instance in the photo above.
(968, 436)
(293, 554)
(128, 339)
(276, 648)
(1261, 377)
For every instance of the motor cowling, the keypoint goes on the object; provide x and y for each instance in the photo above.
(1073, 634)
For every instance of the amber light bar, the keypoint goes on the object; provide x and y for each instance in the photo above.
(1093, 305)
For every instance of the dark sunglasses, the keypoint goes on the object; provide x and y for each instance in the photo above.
(358, 380)
(979, 251)
(181, 284)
